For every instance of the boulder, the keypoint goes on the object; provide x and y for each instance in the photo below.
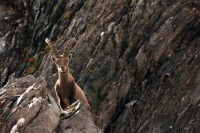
(27, 107)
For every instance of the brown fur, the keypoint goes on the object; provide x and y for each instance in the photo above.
(66, 89)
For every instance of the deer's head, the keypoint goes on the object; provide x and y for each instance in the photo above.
(61, 60)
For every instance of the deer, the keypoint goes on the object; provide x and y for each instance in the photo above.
(67, 91)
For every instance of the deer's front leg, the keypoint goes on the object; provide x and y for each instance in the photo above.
(60, 103)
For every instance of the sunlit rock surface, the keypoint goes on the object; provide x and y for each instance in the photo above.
(27, 107)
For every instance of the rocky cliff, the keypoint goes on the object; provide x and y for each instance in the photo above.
(27, 107)
(137, 61)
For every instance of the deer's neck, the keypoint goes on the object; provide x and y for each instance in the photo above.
(65, 77)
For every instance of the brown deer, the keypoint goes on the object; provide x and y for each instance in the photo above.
(67, 91)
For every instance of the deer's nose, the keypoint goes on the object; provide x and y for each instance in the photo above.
(62, 67)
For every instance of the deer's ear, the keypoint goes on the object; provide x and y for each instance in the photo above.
(70, 56)
(53, 58)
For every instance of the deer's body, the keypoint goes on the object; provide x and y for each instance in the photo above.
(66, 89)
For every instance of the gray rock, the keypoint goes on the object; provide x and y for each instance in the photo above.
(25, 107)
(144, 50)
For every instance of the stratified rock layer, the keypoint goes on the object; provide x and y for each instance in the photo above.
(137, 61)
(25, 107)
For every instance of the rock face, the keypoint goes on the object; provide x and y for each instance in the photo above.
(137, 61)
(26, 107)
